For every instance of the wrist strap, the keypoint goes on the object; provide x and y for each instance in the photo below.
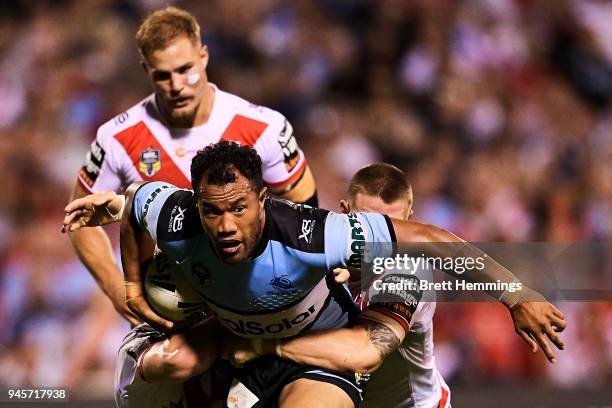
(117, 217)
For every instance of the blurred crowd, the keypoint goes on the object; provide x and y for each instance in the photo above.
(499, 111)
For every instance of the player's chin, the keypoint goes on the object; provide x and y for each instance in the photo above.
(232, 254)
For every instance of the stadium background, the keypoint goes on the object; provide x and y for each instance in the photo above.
(499, 110)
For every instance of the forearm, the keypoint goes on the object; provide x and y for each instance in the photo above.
(348, 350)
(94, 249)
(438, 242)
(131, 243)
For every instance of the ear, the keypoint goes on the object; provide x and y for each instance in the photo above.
(410, 213)
(262, 196)
(345, 207)
(204, 56)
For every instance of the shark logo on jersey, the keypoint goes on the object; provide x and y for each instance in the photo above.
(150, 162)
(282, 282)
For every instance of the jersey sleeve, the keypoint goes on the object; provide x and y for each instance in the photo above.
(101, 168)
(148, 203)
(346, 236)
(283, 162)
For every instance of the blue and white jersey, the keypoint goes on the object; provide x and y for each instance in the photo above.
(285, 288)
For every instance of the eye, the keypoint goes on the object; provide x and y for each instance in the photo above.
(210, 212)
(159, 76)
(239, 209)
(184, 69)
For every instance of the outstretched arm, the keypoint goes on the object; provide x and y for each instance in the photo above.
(535, 319)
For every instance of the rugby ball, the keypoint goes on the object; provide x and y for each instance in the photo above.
(169, 292)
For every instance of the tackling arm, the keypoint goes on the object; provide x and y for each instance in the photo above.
(94, 249)
(535, 319)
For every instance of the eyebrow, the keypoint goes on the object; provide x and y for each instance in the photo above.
(161, 71)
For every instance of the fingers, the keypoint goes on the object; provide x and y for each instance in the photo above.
(558, 323)
(140, 307)
(557, 312)
(82, 203)
(530, 341)
(76, 220)
(552, 335)
(541, 339)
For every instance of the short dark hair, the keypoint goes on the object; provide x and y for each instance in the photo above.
(218, 162)
(382, 180)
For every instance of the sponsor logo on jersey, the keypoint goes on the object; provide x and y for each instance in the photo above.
(282, 282)
(307, 229)
(176, 219)
(246, 327)
(150, 162)
(93, 163)
(289, 146)
(357, 242)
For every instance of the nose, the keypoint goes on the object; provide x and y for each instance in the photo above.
(227, 226)
(177, 82)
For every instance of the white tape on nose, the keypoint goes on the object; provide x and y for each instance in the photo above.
(193, 79)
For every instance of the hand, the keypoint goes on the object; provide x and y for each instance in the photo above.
(93, 210)
(137, 303)
(117, 296)
(238, 351)
(535, 321)
(341, 275)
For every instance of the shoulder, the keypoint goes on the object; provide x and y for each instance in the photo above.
(296, 226)
(250, 112)
(171, 213)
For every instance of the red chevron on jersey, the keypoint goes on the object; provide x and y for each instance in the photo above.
(149, 157)
(243, 130)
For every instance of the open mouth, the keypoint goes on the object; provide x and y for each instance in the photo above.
(229, 247)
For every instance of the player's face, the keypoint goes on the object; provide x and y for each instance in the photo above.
(178, 75)
(233, 216)
(400, 209)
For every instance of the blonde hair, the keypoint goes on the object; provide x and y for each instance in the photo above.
(163, 26)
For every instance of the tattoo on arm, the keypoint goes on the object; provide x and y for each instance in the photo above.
(381, 337)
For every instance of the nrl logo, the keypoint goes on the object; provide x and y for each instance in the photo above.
(150, 162)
